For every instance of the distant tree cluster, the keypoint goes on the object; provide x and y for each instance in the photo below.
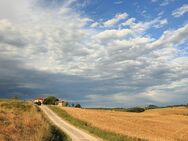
(67, 104)
(78, 106)
(136, 109)
(151, 107)
(51, 100)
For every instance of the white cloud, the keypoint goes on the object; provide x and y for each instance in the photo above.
(46, 47)
(95, 24)
(9, 35)
(160, 13)
(116, 19)
(143, 26)
(15, 11)
(113, 33)
(180, 11)
(172, 37)
(124, 64)
(131, 42)
(166, 2)
(161, 23)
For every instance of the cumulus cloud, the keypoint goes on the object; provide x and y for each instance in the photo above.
(161, 23)
(116, 19)
(9, 35)
(95, 24)
(59, 51)
(180, 11)
(172, 37)
(113, 33)
(143, 26)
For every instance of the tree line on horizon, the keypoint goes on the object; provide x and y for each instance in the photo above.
(52, 100)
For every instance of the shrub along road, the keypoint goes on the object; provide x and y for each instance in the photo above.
(74, 133)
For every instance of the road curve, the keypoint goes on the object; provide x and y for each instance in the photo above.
(74, 133)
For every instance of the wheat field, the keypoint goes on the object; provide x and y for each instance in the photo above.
(165, 124)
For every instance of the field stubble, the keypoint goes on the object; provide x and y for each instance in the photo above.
(166, 124)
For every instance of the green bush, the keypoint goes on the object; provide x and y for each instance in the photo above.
(55, 134)
(78, 106)
(38, 103)
(136, 109)
(151, 107)
(67, 104)
(186, 105)
(51, 100)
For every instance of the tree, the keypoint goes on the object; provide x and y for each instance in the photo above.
(38, 103)
(72, 105)
(151, 107)
(51, 100)
(136, 109)
(78, 106)
(66, 104)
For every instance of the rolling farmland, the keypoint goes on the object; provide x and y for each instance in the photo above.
(165, 124)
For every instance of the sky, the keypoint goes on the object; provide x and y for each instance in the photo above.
(100, 53)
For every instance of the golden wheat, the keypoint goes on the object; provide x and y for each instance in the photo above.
(166, 124)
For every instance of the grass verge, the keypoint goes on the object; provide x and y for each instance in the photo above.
(106, 135)
(54, 133)
(22, 121)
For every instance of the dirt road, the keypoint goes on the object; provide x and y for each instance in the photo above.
(74, 133)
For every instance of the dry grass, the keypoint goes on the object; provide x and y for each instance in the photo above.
(166, 124)
(20, 121)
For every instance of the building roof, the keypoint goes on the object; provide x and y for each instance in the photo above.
(39, 98)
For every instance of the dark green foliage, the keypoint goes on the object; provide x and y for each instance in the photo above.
(72, 104)
(178, 105)
(186, 105)
(151, 107)
(78, 106)
(38, 103)
(110, 109)
(56, 135)
(136, 109)
(51, 100)
(67, 104)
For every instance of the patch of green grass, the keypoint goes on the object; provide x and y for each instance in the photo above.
(55, 134)
(16, 104)
(106, 135)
